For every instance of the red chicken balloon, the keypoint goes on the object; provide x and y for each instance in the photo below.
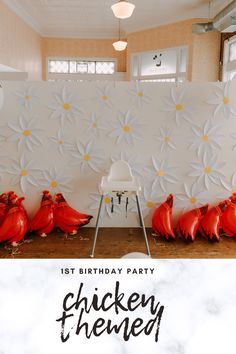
(189, 222)
(210, 223)
(162, 219)
(14, 226)
(228, 219)
(67, 218)
(3, 206)
(43, 221)
(13, 197)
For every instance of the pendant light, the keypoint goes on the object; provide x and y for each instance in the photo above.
(123, 9)
(120, 45)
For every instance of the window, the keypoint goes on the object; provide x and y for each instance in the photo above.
(229, 61)
(167, 65)
(81, 67)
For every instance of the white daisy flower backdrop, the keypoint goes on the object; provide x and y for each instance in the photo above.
(65, 135)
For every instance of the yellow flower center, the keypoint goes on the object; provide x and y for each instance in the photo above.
(149, 204)
(27, 98)
(126, 129)
(60, 142)
(26, 132)
(107, 200)
(207, 170)
(104, 98)
(205, 138)
(87, 157)
(226, 100)
(179, 107)
(66, 106)
(166, 139)
(160, 173)
(24, 173)
(193, 200)
(54, 184)
(94, 125)
(140, 94)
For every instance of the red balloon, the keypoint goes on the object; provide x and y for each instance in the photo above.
(67, 218)
(210, 223)
(228, 219)
(43, 220)
(3, 206)
(14, 226)
(162, 219)
(14, 199)
(189, 222)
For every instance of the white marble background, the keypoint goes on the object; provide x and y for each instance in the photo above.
(198, 295)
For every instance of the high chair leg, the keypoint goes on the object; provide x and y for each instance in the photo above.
(142, 224)
(97, 226)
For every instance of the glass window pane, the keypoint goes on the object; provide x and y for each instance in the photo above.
(82, 67)
(232, 51)
(91, 67)
(58, 66)
(183, 60)
(72, 66)
(231, 74)
(159, 62)
(103, 67)
(135, 65)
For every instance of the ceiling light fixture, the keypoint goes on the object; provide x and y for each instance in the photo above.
(123, 9)
(119, 45)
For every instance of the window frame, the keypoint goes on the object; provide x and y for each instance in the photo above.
(178, 76)
(228, 66)
(79, 76)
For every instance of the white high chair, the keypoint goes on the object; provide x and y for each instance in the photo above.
(120, 180)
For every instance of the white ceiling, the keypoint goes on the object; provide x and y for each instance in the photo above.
(94, 18)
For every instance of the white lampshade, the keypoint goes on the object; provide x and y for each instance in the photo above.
(1, 97)
(123, 9)
(119, 45)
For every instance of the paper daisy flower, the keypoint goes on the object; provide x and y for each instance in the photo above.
(104, 95)
(95, 125)
(230, 187)
(64, 107)
(161, 173)
(56, 181)
(136, 167)
(178, 106)
(126, 129)
(139, 94)
(207, 171)
(27, 98)
(148, 201)
(87, 157)
(23, 173)
(26, 133)
(234, 137)
(192, 198)
(223, 101)
(206, 138)
(107, 204)
(61, 141)
(166, 138)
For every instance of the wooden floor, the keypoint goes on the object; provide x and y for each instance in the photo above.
(114, 243)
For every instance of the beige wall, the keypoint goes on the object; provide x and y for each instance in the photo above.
(74, 47)
(20, 46)
(206, 57)
(178, 34)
